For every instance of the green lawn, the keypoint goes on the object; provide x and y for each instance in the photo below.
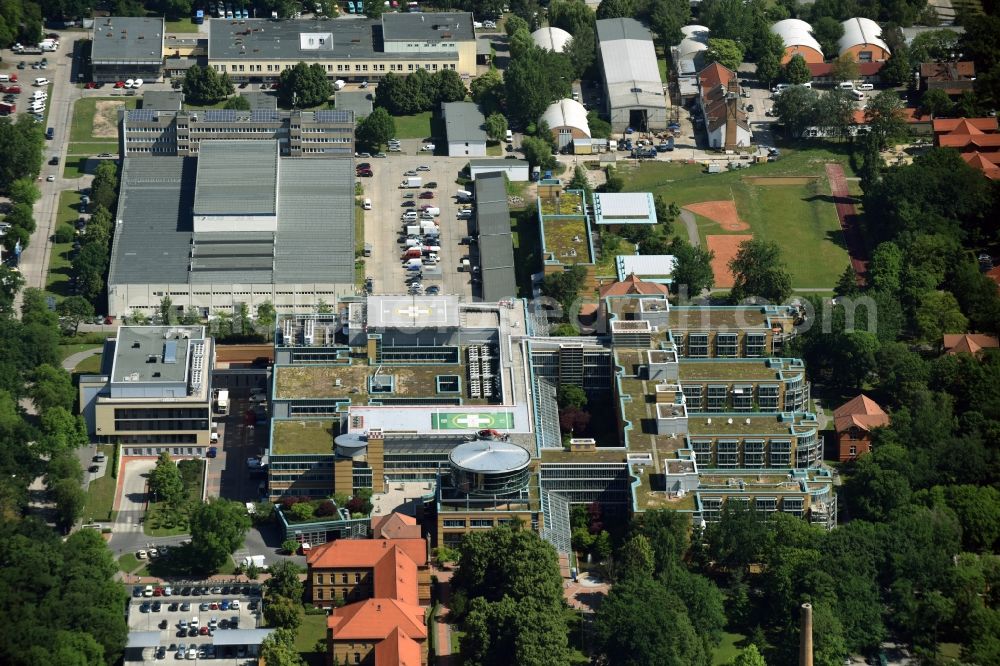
(75, 166)
(312, 629)
(101, 493)
(727, 649)
(417, 126)
(801, 218)
(88, 366)
(183, 25)
(82, 126)
(65, 351)
(129, 562)
(163, 520)
(95, 147)
(57, 279)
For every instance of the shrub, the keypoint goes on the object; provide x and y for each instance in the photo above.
(302, 511)
(326, 508)
(290, 546)
(64, 234)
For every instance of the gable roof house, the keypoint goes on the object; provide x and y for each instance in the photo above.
(969, 343)
(977, 139)
(726, 123)
(854, 422)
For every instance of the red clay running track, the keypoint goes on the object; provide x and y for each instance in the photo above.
(849, 221)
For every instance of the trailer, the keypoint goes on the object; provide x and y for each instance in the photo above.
(411, 182)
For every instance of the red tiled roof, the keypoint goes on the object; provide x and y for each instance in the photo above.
(912, 115)
(964, 125)
(953, 140)
(715, 75)
(994, 274)
(397, 650)
(363, 553)
(821, 69)
(969, 343)
(396, 577)
(395, 526)
(633, 285)
(948, 71)
(376, 619)
(862, 412)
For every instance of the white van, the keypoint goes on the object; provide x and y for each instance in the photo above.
(39, 94)
(463, 194)
(867, 86)
(510, 136)
(37, 106)
(366, 204)
(858, 95)
(846, 85)
(41, 82)
(4, 78)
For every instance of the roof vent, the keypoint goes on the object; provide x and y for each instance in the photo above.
(729, 421)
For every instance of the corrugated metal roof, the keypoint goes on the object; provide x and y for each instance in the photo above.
(241, 636)
(628, 57)
(796, 32)
(492, 211)
(237, 177)
(567, 113)
(153, 234)
(860, 31)
(463, 121)
(496, 259)
(315, 241)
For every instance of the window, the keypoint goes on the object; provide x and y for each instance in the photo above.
(742, 398)
(357, 578)
(854, 450)
(728, 453)
(753, 453)
(781, 453)
(725, 344)
(343, 578)
(767, 397)
(319, 593)
(755, 344)
(319, 579)
(454, 523)
(698, 344)
(766, 504)
(692, 394)
(357, 657)
(717, 394)
(702, 451)
(481, 522)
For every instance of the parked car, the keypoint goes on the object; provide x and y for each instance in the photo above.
(428, 147)
(423, 167)
(212, 452)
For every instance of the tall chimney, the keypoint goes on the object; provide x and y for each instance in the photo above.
(806, 636)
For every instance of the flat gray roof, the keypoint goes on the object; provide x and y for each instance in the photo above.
(152, 354)
(314, 241)
(241, 636)
(143, 639)
(237, 177)
(355, 101)
(262, 39)
(463, 121)
(621, 28)
(496, 259)
(428, 26)
(127, 39)
(492, 211)
(498, 162)
(162, 100)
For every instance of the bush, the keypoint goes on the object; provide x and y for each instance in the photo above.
(302, 511)
(64, 234)
(326, 508)
(290, 546)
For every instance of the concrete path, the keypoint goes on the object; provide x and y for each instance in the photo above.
(73, 360)
(691, 224)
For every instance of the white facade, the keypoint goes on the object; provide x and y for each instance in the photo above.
(466, 149)
(126, 299)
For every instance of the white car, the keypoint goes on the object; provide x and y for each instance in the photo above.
(192, 653)
(52, 179)
(137, 83)
(423, 167)
(429, 147)
(235, 604)
(153, 553)
(141, 554)
(129, 83)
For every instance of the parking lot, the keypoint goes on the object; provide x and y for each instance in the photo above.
(190, 620)
(384, 228)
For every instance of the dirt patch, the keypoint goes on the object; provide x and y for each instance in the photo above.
(106, 119)
(723, 212)
(725, 248)
(779, 180)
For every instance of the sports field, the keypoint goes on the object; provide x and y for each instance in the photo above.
(472, 420)
(788, 201)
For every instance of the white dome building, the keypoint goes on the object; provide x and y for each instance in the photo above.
(798, 40)
(551, 39)
(863, 41)
(567, 120)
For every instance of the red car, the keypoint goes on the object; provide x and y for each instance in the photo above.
(214, 606)
(426, 195)
(90, 85)
(366, 173)
(14, 90)
(203, 631)
(119, 84)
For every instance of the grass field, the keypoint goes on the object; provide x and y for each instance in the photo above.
(75, 167)
(183, 25)
(88, 366)
(800, 218)
(101, 493)
(728, 649)
(82, 125)
(312, 629)
(162, 520)
(57, 279)
(417, 126)
(128, 562)
(65, 351)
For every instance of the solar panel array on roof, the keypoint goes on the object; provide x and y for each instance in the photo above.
(170, 351)
(142, 114)
(334, 116)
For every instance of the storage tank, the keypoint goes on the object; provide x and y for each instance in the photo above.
(489, 467)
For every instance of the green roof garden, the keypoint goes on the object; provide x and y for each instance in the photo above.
(305, 437)
(726, 370)
(759, 424)
(321, 381)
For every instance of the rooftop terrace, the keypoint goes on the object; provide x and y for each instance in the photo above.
(566, 240)
(651, 494)
(759, 424)
(580, 457)
(735, 369)
(304, 437)
(320, 381)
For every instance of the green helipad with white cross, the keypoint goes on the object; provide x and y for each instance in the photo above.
(472, 420)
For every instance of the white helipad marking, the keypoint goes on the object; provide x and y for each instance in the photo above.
(473, 420)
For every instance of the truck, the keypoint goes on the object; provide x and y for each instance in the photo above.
(48, 45)
(255, 560)
(431, 211)
(411, 182)
(7, 108)
(339, 84)
(222, 402)
(412, 230)
(27, 50)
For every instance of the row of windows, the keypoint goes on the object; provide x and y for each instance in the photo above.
(176, 438)
(696, 345)
(161, 413)
(477, 523)
(173, 424)
(333, 578)
(357, 67)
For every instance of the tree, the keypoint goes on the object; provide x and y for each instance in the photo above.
(748, 656)
(51, 387)
(74, 310)
(24, 191)
(938, 313)
(934, 45)
(693, 272)
(376, 130)
(795, 107)
(884, 117)
(165, 480)
(897, 70)
(374, 9)
(285, 581)
(835, 113)
(538, 153)
(282, 612)
(203, 85)
(304, 86)
(62, 430)
(278, 649)
(886, 268)
(640, 623)
(828, 30)
(69, 499)
(237, 103)
(768, 68)
(759, 272)
(845, 68)
(565, 286)
(726, 52)
(449, 87)
(488, 91)
(635, 558)
(266, 317)
(570, 395)
(217, 529)
(21, 145)
(936, 102)
(515, 24)
(615, 9)
(496, 127)
(536, 79)
(797, 71)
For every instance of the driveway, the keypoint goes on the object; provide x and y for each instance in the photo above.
(132, 496)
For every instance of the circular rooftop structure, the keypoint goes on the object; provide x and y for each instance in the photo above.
(489, 467)
(350, 444)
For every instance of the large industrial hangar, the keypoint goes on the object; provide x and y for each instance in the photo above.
(633, 88)
(238, 224)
